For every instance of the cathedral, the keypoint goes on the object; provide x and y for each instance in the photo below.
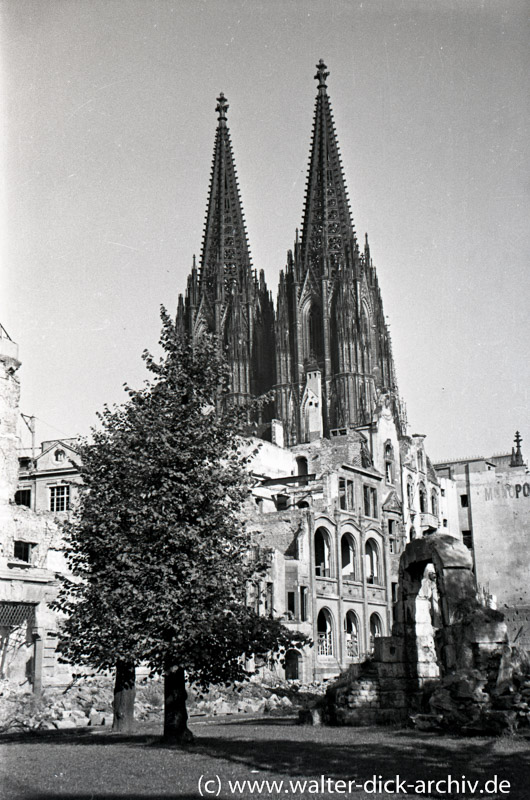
(331, 452)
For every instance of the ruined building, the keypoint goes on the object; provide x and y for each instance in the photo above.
(339, 484)
(30, 553)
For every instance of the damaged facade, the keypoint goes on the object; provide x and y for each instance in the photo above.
(30, 555)
(339, 485)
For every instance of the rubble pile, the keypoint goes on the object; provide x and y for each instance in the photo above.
(88, 702)
(470, 702)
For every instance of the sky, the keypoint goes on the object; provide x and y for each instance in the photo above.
(108, 124)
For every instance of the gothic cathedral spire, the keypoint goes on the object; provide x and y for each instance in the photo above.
(224, 295)
(333, 348)
(327, 232)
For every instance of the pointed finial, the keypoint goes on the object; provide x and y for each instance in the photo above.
(321, 75)
(194, 265)
(517, 456)
(221, 108)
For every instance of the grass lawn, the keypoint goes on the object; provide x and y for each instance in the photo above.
(94, 764)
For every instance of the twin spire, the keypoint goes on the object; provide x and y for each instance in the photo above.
(328, 238)
(225, 256)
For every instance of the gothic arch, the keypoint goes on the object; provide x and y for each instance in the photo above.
(312, 330)
(325, 631)
(352, 634)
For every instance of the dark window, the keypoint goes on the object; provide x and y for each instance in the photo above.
(445, 523)
(269, 600)
(282, 502)
(373, 493)
(394, 592)
(392, 545)
(301, 465)
(346, 494)
(291, 605)
(442, 492)
(464, 500)
(423, 500)
(23, 551)
(434, 504)
(322, 553)
(23, 497)
(370, 501)
(347, 547)
(303, 603)
(293, 661)
(467, 539)
(59, 498)
(372, 563)
(410, 494)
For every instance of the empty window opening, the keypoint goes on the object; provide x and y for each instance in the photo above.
(23, 497)
(325, 633)
(293, 663)
(303, 603)
(347, 552)
(301, 465)
(322, 553)
(22, 551)
(291, 605)
(376, 629)
(373, 569)
(351, 634)
(434, 504)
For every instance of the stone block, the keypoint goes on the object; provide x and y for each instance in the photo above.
(68, 722)
(389, 649)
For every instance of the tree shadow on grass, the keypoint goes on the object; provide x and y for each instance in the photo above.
(298, 752)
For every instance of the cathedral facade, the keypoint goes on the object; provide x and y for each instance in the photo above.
(331, 451)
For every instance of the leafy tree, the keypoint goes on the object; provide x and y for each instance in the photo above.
(157, 549)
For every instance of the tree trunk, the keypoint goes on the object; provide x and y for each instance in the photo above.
(124, 693)
(175, 713)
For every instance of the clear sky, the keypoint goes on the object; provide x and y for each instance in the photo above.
(107, 137)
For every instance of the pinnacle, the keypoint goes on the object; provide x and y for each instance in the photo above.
(222, 107)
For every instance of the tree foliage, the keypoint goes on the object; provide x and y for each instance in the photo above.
(157, 547)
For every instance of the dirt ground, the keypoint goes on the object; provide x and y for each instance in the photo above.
(95, 764)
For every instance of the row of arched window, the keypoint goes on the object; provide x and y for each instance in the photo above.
(326, 643)
(348, 554)
(423, 497)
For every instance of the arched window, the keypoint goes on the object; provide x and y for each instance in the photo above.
(373, 566)
(314, 340)
(293, 661)
(325, 633)
(389, 462)
(376, 629)
(301, 465)
(351, 634)
(347, 555)
(421, 461)
(434, 503)
(410, 493)
(59, 456)
(322, 553)
(423, 499)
